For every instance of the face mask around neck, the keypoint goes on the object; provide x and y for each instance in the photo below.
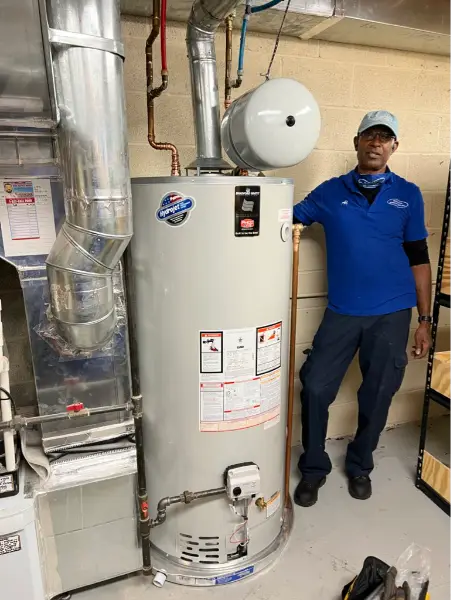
(371, 182)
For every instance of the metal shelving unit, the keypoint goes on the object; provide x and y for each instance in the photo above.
(441, 301)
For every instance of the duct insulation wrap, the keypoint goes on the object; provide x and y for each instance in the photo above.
(88, 72)
(212, 269)
(273, 126)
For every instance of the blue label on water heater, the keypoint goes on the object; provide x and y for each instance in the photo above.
(236, 576)
(175, 209)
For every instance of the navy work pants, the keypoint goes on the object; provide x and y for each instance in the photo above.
(381, 342)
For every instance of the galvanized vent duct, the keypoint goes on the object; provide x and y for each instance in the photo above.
(87, 57)
(205, 18)
(413, 25)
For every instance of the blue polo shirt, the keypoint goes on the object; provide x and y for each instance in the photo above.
(368, 270)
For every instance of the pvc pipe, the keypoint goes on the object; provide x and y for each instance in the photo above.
(5, 406)
(159, 579)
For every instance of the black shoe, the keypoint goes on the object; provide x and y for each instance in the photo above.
(360, 487)
(306, 494)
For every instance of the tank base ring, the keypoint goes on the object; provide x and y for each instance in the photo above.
(208, 575)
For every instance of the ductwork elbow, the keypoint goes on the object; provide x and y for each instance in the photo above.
(205, 18)
(87, 57)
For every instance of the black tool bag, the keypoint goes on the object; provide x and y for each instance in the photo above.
(367, 581)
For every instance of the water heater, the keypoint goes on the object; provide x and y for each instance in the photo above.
(212, 269)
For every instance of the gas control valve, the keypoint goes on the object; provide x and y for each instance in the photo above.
(242, 481)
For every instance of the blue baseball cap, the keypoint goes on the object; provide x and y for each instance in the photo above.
(379, 117)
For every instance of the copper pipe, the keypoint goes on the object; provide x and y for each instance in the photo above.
(294, 294)
(228, 62)
(153, 93)
(228, 83)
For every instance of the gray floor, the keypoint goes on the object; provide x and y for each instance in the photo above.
(331, 539)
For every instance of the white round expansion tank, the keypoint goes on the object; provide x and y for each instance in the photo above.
(275, 125)
(212, 268)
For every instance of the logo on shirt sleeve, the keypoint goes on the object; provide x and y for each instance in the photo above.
(397, 203)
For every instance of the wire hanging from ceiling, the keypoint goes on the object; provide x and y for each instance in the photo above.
(276, 45)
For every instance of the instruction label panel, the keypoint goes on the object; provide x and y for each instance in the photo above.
(247, 210)
(26, 217)
(236, 389)
(239, 353)
(269, 348)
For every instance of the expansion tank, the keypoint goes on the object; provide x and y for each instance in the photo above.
(212, 264)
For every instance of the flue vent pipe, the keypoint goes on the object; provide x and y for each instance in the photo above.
(87, 57)
(204, 20)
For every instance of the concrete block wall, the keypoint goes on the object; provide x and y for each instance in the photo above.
(347, 81)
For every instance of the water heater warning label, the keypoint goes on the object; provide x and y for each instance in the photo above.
(238, 387)
(247, 210)
(269, 345)
(211, 352)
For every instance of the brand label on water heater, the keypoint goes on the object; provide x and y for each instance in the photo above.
(247, 210)
(236, 576)
(175, 209)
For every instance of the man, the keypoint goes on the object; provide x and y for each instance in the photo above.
(378, 269)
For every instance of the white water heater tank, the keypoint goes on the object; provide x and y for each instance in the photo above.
(212, 268)
(273, 126)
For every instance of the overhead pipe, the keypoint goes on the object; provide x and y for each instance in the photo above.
(205, 18)
(158, 21)
(229, 84)
(87, 59)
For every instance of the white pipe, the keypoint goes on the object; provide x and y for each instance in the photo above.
(159, 579)
(5, 405)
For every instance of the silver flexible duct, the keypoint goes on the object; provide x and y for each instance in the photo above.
(205, 18)
(87, 57)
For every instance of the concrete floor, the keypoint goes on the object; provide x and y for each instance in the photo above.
(331, 539)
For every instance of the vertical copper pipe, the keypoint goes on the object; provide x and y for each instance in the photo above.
(229, 84)
(153, 93)
(228, 62)
(294, 304)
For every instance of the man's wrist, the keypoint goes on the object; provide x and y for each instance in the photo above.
(425, 320)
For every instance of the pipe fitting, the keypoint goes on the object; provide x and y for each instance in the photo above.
(184, 498)
(160, 579)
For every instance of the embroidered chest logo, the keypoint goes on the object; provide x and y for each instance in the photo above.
(345, 203)
(397, 203)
